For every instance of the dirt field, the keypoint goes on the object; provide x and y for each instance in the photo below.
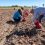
(20, 35)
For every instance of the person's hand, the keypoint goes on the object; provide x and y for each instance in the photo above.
(42, 27)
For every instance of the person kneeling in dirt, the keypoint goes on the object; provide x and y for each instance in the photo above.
(25, 13)
(38, 15)
(17, 16)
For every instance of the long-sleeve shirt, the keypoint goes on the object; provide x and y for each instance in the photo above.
(38, 12)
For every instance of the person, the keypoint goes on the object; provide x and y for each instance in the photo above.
(38, 15)
(24, 13)
(17, 16)
(14, 8)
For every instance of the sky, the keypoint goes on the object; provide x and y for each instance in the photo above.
(22, 2)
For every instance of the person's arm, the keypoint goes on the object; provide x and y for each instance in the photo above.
(21, 13)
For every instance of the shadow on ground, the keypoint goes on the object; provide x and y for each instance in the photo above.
(10, 22)
(27, 32)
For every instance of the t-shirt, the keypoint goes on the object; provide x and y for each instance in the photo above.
(38, 12)
(16, 15)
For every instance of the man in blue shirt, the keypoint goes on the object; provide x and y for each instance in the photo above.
(17, 16)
